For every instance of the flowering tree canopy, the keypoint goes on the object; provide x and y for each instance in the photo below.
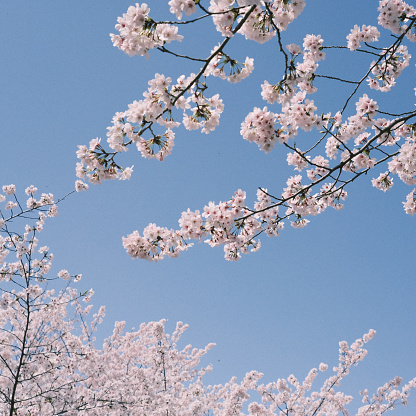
(49, 364)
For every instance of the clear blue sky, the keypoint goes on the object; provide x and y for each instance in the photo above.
(281, 310)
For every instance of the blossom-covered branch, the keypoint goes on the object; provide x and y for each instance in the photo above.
(343, 149)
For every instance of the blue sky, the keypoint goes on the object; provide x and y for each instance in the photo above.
(281, 310)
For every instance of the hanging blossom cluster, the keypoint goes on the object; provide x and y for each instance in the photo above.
(179, 7)
(139, 33)
(384, 74)
(299, 75)
(142, 118)
(396, 16)
(410, 204)
(298, 112)
(263, 24)
(238, 71)
(260, 125)
(404, 164)
(362, 34)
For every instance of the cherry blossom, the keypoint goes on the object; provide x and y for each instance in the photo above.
(179, 7)
(394, 15)
(139, 33)
(383, 182)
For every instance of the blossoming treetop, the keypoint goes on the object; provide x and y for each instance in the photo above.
(50, 363)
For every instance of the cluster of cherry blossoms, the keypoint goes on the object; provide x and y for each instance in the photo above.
(139, 33)
(233, 225)
(299, 75)
(45, 200)
(179, 7)
(263, 24)
(238, 71)
(362, 34)
(383, 182)
(141, 118)
(404, 164)
(396, 16)
(383, 75)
